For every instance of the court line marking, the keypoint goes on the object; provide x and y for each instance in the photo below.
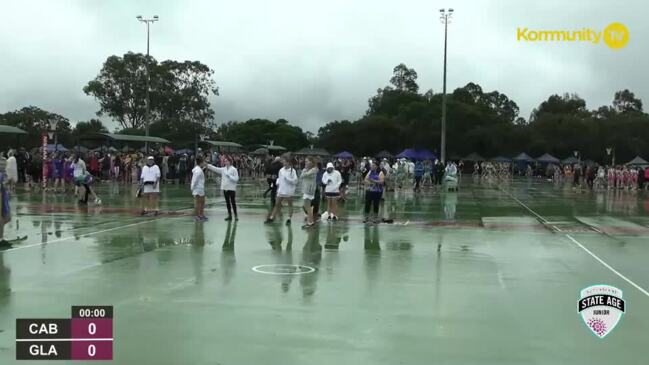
(641, 289)
(83, 235)
(261, 269)
(543, 220)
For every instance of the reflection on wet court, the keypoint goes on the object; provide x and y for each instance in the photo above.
(488, 275)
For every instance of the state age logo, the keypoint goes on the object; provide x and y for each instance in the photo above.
(601, 307)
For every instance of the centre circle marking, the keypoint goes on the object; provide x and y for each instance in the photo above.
(283, 269)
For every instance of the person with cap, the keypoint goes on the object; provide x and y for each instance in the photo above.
(229, 179)
(150, 180)
(332, 180)
(286, 182)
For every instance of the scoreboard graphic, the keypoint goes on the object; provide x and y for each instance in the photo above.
(87, 335)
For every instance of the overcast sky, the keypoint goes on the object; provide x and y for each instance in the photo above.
(316, 61)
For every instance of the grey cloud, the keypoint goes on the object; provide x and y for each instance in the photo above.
(315, 62)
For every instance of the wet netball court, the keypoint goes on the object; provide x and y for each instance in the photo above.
(489, 275)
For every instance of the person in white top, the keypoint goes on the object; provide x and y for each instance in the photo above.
(12, 170)
(332, 179)
(229, 179)
(150, 180)
(82, 178)
(198, 190)
(286, 183)
(5, 211)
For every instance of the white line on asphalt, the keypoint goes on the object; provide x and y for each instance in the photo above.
(608, 266)
(83, 235)
(641, 289)
(543, 220)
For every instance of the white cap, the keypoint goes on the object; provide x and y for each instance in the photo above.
(330, 165)
(150, 158)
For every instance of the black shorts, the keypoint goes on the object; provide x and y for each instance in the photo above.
(332, 195)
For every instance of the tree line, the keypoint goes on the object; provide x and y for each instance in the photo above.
(398, 116)
(488, 122)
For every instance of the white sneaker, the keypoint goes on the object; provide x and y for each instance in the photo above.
(97, 201)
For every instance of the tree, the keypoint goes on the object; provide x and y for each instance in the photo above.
(184, 133)
(35, 121)
(404, 79)
(626, 102)
(90, 127)
(570, 104)
(262, 131)
(179, 90)
(471, 93)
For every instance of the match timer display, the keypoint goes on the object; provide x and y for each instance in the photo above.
(88, 335)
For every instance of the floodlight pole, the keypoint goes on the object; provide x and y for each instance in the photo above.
(445, 16)
(148, 76)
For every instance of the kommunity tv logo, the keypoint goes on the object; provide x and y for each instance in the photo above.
(615, 35)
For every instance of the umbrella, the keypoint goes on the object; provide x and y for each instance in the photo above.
(425, 155)
(547, 158)
(184, 151)
(638, 161)
(80, 149)
(501, 159)
(260, 152)
(384, 154)
(56, 147)
(344, 155)
(569, 160)
(168, 150)
(474, 157)
(413, 154)
(312, 152)
(407, 153)
(523, 157)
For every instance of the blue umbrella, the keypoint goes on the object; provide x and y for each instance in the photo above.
(413, 154)
(55, 148)
(344, 155)
(184, 151)
(407, 153)
(425, 155)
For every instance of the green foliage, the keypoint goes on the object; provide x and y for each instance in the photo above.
(626, 102)
(35, 121)
(488, 123)
(262, 131)
(87, 128)
(178, 94)
(404, 79)
(181, 133)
